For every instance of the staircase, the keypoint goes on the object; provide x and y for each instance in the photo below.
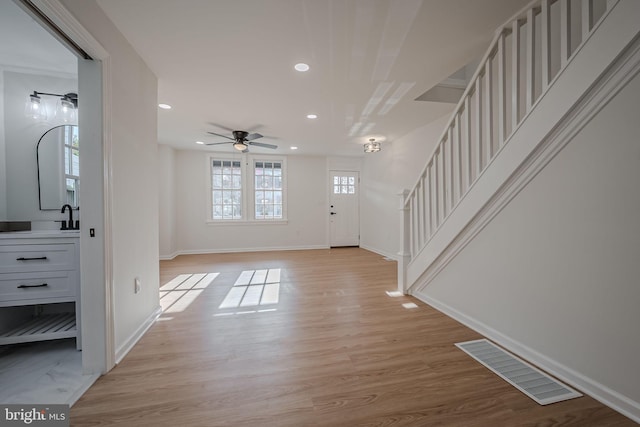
(537, 69)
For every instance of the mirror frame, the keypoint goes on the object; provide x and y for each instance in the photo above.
(38, 167)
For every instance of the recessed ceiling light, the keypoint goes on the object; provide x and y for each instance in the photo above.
(301, 66)
(164, 106)
(200, 142)
(312, 116)
(294, 147)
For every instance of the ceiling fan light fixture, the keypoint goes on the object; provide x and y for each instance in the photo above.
(302, 67)
(372, 146)
(240, 146)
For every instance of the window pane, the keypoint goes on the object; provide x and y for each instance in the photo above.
(352, 189)
(259, 197)
(336, 180)
(217, 212)
(343, 190)
(336, 189)
(217, 164)
(277, 211)
(75, 162)
(268, 182)
(217, 181)
(259, 165)
(343, 180)
(277, 182)
(236, 197)
(268, 196)
(352, 180)
(277, 197)
(217, 197)
(236, 181)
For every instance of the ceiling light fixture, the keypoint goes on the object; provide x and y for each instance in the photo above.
(372, 146)
(312, 116)
(199, 142)
(165, 106)
(65, 108)
(294, 147)
(302, 67)
(240, 146)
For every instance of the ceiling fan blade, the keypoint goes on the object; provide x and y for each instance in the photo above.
(253, 136)
(221, 127)
(261, 144)
(217, 143)
(223, 136)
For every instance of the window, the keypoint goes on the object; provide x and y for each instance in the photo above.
(268, 190)
(344, 185)
(71, 165)
(249, 189)
(226, 177)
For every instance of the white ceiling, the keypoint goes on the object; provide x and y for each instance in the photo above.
(229, 64)
(26, 46)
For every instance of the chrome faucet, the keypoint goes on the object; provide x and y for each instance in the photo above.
(71, 225)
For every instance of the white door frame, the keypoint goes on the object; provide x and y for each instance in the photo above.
(97, 307)
(329, 196)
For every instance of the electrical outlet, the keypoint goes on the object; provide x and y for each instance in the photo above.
(137, 285)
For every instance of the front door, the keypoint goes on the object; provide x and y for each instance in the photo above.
(344, 209)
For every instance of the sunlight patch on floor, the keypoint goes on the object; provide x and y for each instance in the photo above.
(180, 292)
(253, 288)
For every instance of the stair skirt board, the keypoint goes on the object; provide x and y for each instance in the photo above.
(531, 381)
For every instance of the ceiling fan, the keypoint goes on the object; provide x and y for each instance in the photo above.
(242, 140)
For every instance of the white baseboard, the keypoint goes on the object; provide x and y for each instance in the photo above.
(169, 257)
(122, 351)
(88, 380)
(600, 392)
(236, 250)
(393, 256)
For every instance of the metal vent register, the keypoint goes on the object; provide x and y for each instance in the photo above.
(531, 381)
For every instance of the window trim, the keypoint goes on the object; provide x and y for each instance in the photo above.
(247, 167)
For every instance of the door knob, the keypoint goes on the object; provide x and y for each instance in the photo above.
(332, 213)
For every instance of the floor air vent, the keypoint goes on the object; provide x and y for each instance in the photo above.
(534, 383)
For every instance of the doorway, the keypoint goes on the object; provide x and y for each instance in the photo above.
(344, 208)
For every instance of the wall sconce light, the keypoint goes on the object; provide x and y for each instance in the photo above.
(65, 109)
(372, 146)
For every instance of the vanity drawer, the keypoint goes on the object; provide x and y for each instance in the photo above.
(30, 288)
(37, 257)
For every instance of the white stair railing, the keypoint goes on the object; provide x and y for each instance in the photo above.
(525, 56)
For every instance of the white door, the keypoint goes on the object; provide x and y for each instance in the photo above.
(344, 209)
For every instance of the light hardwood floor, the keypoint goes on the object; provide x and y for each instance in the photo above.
(335, 350)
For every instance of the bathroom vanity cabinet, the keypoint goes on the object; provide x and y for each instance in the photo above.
(40, 269)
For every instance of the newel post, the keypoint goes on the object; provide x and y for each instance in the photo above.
(404, 256)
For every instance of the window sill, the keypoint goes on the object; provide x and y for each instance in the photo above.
(248, 222)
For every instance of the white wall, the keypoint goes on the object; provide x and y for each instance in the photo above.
(307, 213)
(134, 158)
(557, 269)
(385, 174)
(167, 202)
(3, 164)
(21, 138)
